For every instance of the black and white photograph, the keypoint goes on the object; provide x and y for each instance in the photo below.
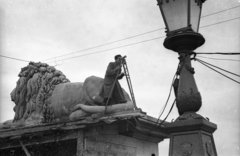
(119, 77)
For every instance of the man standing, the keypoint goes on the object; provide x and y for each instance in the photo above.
(112, 91)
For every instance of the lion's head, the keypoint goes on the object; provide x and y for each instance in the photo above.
(33, 91)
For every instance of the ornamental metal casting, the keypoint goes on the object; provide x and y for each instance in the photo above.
(186, 149)
(189, 101)
(209, 148)
(189, 116)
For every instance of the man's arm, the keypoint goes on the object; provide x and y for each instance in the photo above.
(120, 76)
(111, 70)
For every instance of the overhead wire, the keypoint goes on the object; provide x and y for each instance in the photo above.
(127, 45)
(139, 43)
(220, 11)
(219, 22)
(105, 44)
(125, 39)
(218, 58)
(135, 36)
(14, 58)
(217, 71)
(219, 53)
(219, 68)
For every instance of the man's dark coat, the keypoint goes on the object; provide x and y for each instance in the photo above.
(117, 94)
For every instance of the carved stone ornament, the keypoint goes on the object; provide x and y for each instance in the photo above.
(186, 149)
(209, 148)
(189, 102)
(189, 116)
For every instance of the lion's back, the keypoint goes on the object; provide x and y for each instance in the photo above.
(65, 96)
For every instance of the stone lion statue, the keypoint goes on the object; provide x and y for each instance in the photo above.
(43, 94)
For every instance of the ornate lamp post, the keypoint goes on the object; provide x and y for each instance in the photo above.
(182, 18)
(191, 134)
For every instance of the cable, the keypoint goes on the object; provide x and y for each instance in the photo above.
(156, 126)
(220, 11)
(109, 49)
(219, 22)
(14, 58)
(218, 58)
(217, 71)
(148, 132)
(139, 43)
(105, 44)
(129, 37)
(219, 68)
(219, 53)
(167, 114)
(163, 109)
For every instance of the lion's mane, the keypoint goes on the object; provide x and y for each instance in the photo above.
(33, 91)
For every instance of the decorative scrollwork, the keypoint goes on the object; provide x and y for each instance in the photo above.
(209, 148)
(188, 102)
(186, 149)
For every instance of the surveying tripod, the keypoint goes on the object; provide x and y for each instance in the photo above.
(126, 73)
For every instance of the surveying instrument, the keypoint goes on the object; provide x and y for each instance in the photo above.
(127, 75)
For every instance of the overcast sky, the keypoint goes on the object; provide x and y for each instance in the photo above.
(36, 30)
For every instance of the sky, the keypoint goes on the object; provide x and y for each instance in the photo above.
(36, 30)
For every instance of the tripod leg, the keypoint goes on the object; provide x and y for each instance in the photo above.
(129, 83)
(110, 94)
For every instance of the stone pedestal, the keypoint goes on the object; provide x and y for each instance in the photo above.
(191, 135)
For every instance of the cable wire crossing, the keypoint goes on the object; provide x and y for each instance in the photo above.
(127, 45)
(104, 44)
(140, 35)
(219, 22)
(216, 71)
(143, 42)
(219, 68)
(14, 58)
(218, 58)
(219, 53)
(220, 11)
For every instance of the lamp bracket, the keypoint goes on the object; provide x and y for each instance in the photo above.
(184, 41)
